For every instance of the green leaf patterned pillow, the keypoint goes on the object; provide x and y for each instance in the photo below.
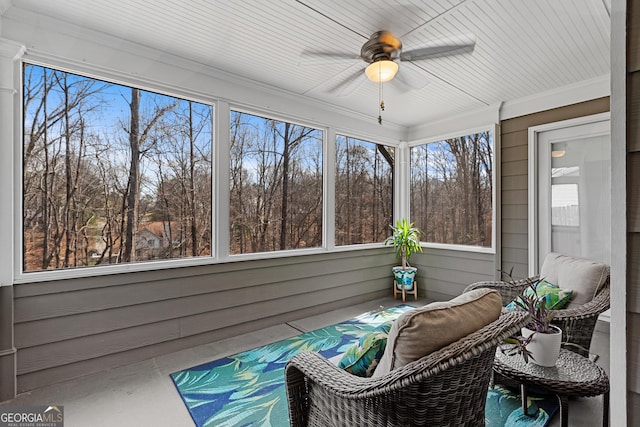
(554, 297)
(363, 356)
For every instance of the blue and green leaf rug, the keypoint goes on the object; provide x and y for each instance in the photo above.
(247, 389)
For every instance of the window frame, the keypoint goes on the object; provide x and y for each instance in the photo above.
(219, 176)
(495, 218)
(394, 192)
(233, 107)
(21, 276)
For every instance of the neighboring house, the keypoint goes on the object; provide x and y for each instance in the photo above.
(153, 240)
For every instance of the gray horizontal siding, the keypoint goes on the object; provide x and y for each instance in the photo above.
(239, 288)
(633, 214)
(515, 182)
(633, 130)
(634, 409)
(443, 274)
(633, 191)
(633, 344)
(74, 327)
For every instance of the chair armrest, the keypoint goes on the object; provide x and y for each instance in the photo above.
(508, 290)
(593, 308)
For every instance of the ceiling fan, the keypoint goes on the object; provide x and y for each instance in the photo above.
(382, 52)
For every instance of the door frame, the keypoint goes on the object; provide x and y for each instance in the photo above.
(532, 176)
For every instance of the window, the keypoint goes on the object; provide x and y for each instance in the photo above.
(364, 191)
(276, 185)
(112, 174)
(452, 190)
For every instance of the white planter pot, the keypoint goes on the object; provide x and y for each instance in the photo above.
(544, 348)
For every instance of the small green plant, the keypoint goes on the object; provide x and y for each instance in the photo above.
(540, 316)
(534, 304)
(405, 239)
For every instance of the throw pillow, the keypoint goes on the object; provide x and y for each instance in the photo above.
(419, 332)
(555, 298)
(583, 276)
(363, 356)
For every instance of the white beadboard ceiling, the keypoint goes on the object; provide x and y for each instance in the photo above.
(522, 48)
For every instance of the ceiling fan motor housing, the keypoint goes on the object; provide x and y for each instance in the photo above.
(381, 45)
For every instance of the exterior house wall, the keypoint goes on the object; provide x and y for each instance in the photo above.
(514, 178)
(633, 212)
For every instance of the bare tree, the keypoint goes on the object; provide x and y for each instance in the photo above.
(364, 191)
(451, 183)
(270, 160)
(88, 181)
(55, 134)
(140, 143)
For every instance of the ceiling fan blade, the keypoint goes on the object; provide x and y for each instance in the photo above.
(330, 53)
(348, 84)
(436, 52)
(409, 77)
(457, 45)
(314, 57)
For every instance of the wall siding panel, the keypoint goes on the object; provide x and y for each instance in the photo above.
(200, 278)
(443, 274)
(515, 182)
(74, 327)
(633, 110)
(513, 225)
(514, 168)
(588, 108)
(515, 212)
(34, 380)
(633, 212)
(167, 292)
(633, 346)
(633, 416)
(633, 23)
(513, 139)
(633, 192)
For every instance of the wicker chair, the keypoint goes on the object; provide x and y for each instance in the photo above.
(446, 388)
(577, 323)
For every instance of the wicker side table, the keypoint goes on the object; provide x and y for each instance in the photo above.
(573, 375)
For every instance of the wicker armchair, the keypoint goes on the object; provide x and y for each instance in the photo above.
(446, 388)
(577, 323)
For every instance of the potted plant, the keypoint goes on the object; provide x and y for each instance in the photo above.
(540, 340)
(405, 239)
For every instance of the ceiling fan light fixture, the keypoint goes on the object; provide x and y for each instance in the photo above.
(381, 71)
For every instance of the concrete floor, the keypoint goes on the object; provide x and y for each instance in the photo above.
(142, 394)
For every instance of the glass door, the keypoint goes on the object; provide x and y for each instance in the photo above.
(572, 190)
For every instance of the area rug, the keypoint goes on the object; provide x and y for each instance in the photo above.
(504, 408)
(247, 389)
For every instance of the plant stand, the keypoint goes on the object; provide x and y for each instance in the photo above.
(404, 291)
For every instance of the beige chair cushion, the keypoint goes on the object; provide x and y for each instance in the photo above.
(584, 277)
(421, 331)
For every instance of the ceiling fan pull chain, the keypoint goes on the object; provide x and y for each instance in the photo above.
(381, 106)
